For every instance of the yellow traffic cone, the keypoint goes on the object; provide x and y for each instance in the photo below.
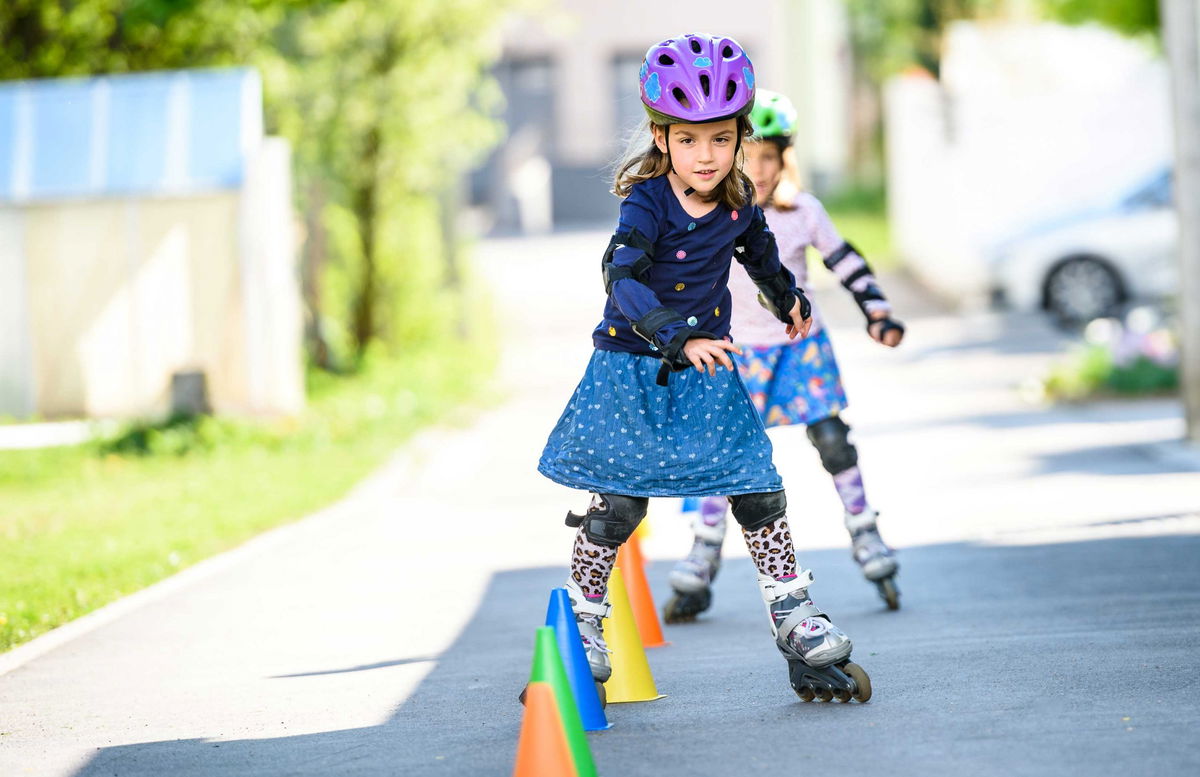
(631, 679)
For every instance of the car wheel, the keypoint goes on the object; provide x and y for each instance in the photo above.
(1083, 288)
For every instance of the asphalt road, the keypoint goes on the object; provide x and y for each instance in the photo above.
(1050, 587)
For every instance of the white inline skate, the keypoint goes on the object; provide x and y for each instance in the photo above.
(691, 579)
(874, 557)
(817, 652)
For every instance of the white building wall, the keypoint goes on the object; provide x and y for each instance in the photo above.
(798, 48)
(16, 358)
(1028, 123)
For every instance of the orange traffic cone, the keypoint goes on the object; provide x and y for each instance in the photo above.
(542, 750)
(631, 679)
(630, 560)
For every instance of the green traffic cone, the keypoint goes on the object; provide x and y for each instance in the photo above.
(548, 668)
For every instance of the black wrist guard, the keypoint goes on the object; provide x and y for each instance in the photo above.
(888, 324)
(777, 294)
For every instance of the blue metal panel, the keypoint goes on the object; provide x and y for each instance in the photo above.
(217, 117)
(62, 138)
(8, 140)
(151, 133)
(137, 135)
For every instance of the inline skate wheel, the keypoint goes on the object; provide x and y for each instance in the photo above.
(824, 694)
(841, 694)
(806, 694)
(862, 683)
(890, 593)
(684, 607)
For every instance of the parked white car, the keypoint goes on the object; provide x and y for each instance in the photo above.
(1092, 264)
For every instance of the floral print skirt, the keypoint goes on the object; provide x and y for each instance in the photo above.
(796, 383)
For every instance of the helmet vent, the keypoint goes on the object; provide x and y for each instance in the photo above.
(695, 45)
(705, 85)
(727, 52)
(680, 97)
(664, 59)
(730, 90)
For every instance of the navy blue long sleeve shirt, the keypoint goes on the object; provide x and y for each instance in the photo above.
(690, 271)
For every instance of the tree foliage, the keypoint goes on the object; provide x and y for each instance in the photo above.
(890, 35)
(1132, 17)
(385, 102)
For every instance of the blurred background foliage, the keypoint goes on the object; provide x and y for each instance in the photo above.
(891, 35)
(385, 103)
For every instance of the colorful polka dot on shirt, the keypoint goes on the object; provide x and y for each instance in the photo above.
(681, 254)
(612, 331)
(692, 321)
(691, 226)
(734, 215)
(680, 287)
(717, 312)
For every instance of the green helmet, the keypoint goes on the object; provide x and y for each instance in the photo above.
(773, 116)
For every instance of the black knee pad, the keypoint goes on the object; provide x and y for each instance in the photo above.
(754, 511)
(831, 437)
(612, 521)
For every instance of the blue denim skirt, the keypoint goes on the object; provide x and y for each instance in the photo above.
(621, 433)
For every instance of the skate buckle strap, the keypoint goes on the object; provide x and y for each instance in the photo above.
(776, 590)
(584, 606)
(864, 520)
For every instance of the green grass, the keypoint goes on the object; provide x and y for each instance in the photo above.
(83, 526)
(861, 217)
(1091, 373)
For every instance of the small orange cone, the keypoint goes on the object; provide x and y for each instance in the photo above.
(636, 541)
(631, 679)
(542, 749)
(630, 559)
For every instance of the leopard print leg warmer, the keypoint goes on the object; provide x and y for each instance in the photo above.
(772, 550)
(591, 564)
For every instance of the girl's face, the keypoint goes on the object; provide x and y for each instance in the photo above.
(702, 154)
(764, 166)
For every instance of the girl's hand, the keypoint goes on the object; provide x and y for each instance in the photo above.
(799, 326)
(891, 339)
(705, 354)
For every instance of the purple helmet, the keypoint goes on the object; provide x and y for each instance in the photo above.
(695, 78)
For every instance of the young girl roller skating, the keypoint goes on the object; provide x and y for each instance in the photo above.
(794, 382)
(653, 414)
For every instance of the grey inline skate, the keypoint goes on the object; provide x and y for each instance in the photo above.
(817, 652)
(588, 615)
(874, 557)
(691, 579)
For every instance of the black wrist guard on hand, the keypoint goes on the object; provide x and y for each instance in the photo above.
(888, 324)
(674, 360)
(777, 295)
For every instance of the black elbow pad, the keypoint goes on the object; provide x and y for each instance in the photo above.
(640, 268)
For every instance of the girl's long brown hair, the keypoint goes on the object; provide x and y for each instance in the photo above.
(788, 190)
(641, 163)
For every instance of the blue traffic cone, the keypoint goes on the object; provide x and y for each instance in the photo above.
(561, 617)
